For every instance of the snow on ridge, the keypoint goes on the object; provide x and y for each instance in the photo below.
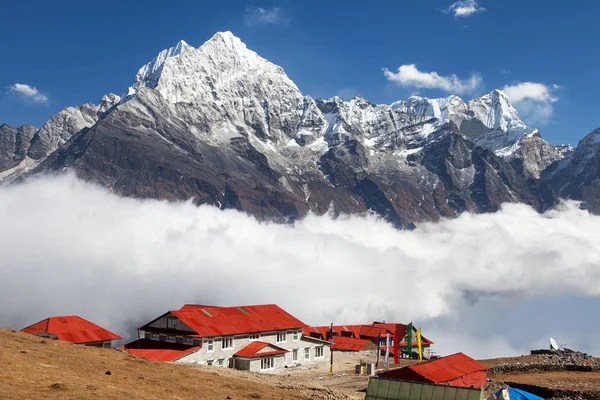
(223, 74)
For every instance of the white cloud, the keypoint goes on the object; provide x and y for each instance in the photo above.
(533, 100)
(464, 8)
(72, 248)
(265, 16)
(28, 92)
(409, 76)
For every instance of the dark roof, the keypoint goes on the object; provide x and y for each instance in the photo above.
(72, 328)
(158, 351)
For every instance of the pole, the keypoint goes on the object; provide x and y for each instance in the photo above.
(386, 360)
(331, 350)
(378, 349)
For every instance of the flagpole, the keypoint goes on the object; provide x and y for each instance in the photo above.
(331, 350)
(378, 349)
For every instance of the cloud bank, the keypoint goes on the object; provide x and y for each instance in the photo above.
(533, 100)
(409, 76)
(28, 92)
(484, 284)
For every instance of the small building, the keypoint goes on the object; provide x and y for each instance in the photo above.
(391, 389)
(355, 337)
(257, 338)
(457, 370)
(74, 329)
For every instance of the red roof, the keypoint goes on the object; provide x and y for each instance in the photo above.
(371, 331)
(209, 321)
(349, 344)
(254, 350)
(442, 370)
(72, 328)
(165, 355)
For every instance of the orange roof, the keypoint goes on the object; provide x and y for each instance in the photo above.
(349, 344)
(164, 355)
(447, 368)
(254, 350)
(209, 321)
(72, 328)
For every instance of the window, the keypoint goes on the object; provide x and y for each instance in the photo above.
(281, 337)
(171, 322)
(295, 355)
(254, 336)
(307, 353)
(210, 345)
(162, 338)
(267, 363)
(154, 336)
(171, 339)
(227, 343)
(220, 362)
(209, 362)
(147, 335)
(197, 342)
(179, 340)
(319, 352)
(295, 337)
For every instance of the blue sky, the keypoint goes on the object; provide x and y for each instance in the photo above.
(544, 54)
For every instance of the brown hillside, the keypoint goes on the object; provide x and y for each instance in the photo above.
(37, 368)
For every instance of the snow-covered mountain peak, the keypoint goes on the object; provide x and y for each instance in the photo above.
(223, 66)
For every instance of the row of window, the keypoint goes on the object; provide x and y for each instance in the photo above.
(282, 336)
(268, 362)
(226, 341)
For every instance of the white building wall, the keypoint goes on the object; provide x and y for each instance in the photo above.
(203, 355)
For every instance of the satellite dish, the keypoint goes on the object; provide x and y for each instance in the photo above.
(553, 345)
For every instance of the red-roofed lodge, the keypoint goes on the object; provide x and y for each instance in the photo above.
(74, 329)
(259, 338)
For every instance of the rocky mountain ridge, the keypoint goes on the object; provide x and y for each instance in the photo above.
(224, 126)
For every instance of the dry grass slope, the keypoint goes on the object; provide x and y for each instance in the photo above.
(37, 368)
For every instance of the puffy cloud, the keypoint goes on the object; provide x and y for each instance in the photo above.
(464, 8)
(409, 76)
(28, 92)
(265, 16)
(488, 284)
(533, 100)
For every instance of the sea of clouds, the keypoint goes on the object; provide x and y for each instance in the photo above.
(488, 285)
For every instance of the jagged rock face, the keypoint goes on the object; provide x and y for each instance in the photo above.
(14, 143)
(223, 126)
(578, 175)
(65, 124)
(534, 155)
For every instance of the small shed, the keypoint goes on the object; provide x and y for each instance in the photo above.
(457, 370)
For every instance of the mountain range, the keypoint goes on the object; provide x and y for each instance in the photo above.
(221, 125)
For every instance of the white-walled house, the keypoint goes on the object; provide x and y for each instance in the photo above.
(258, 338)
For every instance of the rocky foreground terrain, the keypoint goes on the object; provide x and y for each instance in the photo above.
(36, 367)
(221, 125)
(560, 375)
